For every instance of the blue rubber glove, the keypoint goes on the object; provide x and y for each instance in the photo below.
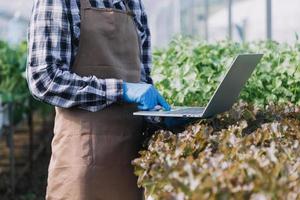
(145, 95)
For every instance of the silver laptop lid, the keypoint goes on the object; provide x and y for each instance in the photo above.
(230, 87)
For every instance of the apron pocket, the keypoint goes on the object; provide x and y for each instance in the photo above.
(85, 143)
(71, 148)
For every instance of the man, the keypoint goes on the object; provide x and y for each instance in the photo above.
(91, 59)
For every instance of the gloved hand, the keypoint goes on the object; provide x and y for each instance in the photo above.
(145, 95)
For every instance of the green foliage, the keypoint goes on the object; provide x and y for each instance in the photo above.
(246, 153)
(13, 84)
(249, 152)
(189, 71)
(12, 72)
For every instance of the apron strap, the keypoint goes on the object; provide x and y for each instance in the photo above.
(128, 10)
(87, 4)
(126, 5)
(84, 4)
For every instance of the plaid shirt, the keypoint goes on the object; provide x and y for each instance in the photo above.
(53, 40)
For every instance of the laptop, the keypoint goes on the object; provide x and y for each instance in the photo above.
(225, 95)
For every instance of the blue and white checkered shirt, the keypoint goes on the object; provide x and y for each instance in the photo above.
(53, 40)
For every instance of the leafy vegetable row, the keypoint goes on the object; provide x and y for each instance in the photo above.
(247, 153)
(189, 70)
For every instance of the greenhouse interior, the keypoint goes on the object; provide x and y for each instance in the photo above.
(243, 144)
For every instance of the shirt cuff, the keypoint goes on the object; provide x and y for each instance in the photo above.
(114, 90)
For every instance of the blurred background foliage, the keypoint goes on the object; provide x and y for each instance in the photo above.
(13, 84)
(188, 71)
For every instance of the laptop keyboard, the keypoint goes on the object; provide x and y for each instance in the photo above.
(187, 111)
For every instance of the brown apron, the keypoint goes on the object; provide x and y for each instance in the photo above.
(92, 152)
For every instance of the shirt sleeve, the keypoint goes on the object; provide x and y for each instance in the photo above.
(147, 60)
(146, 54)
(49, 56)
